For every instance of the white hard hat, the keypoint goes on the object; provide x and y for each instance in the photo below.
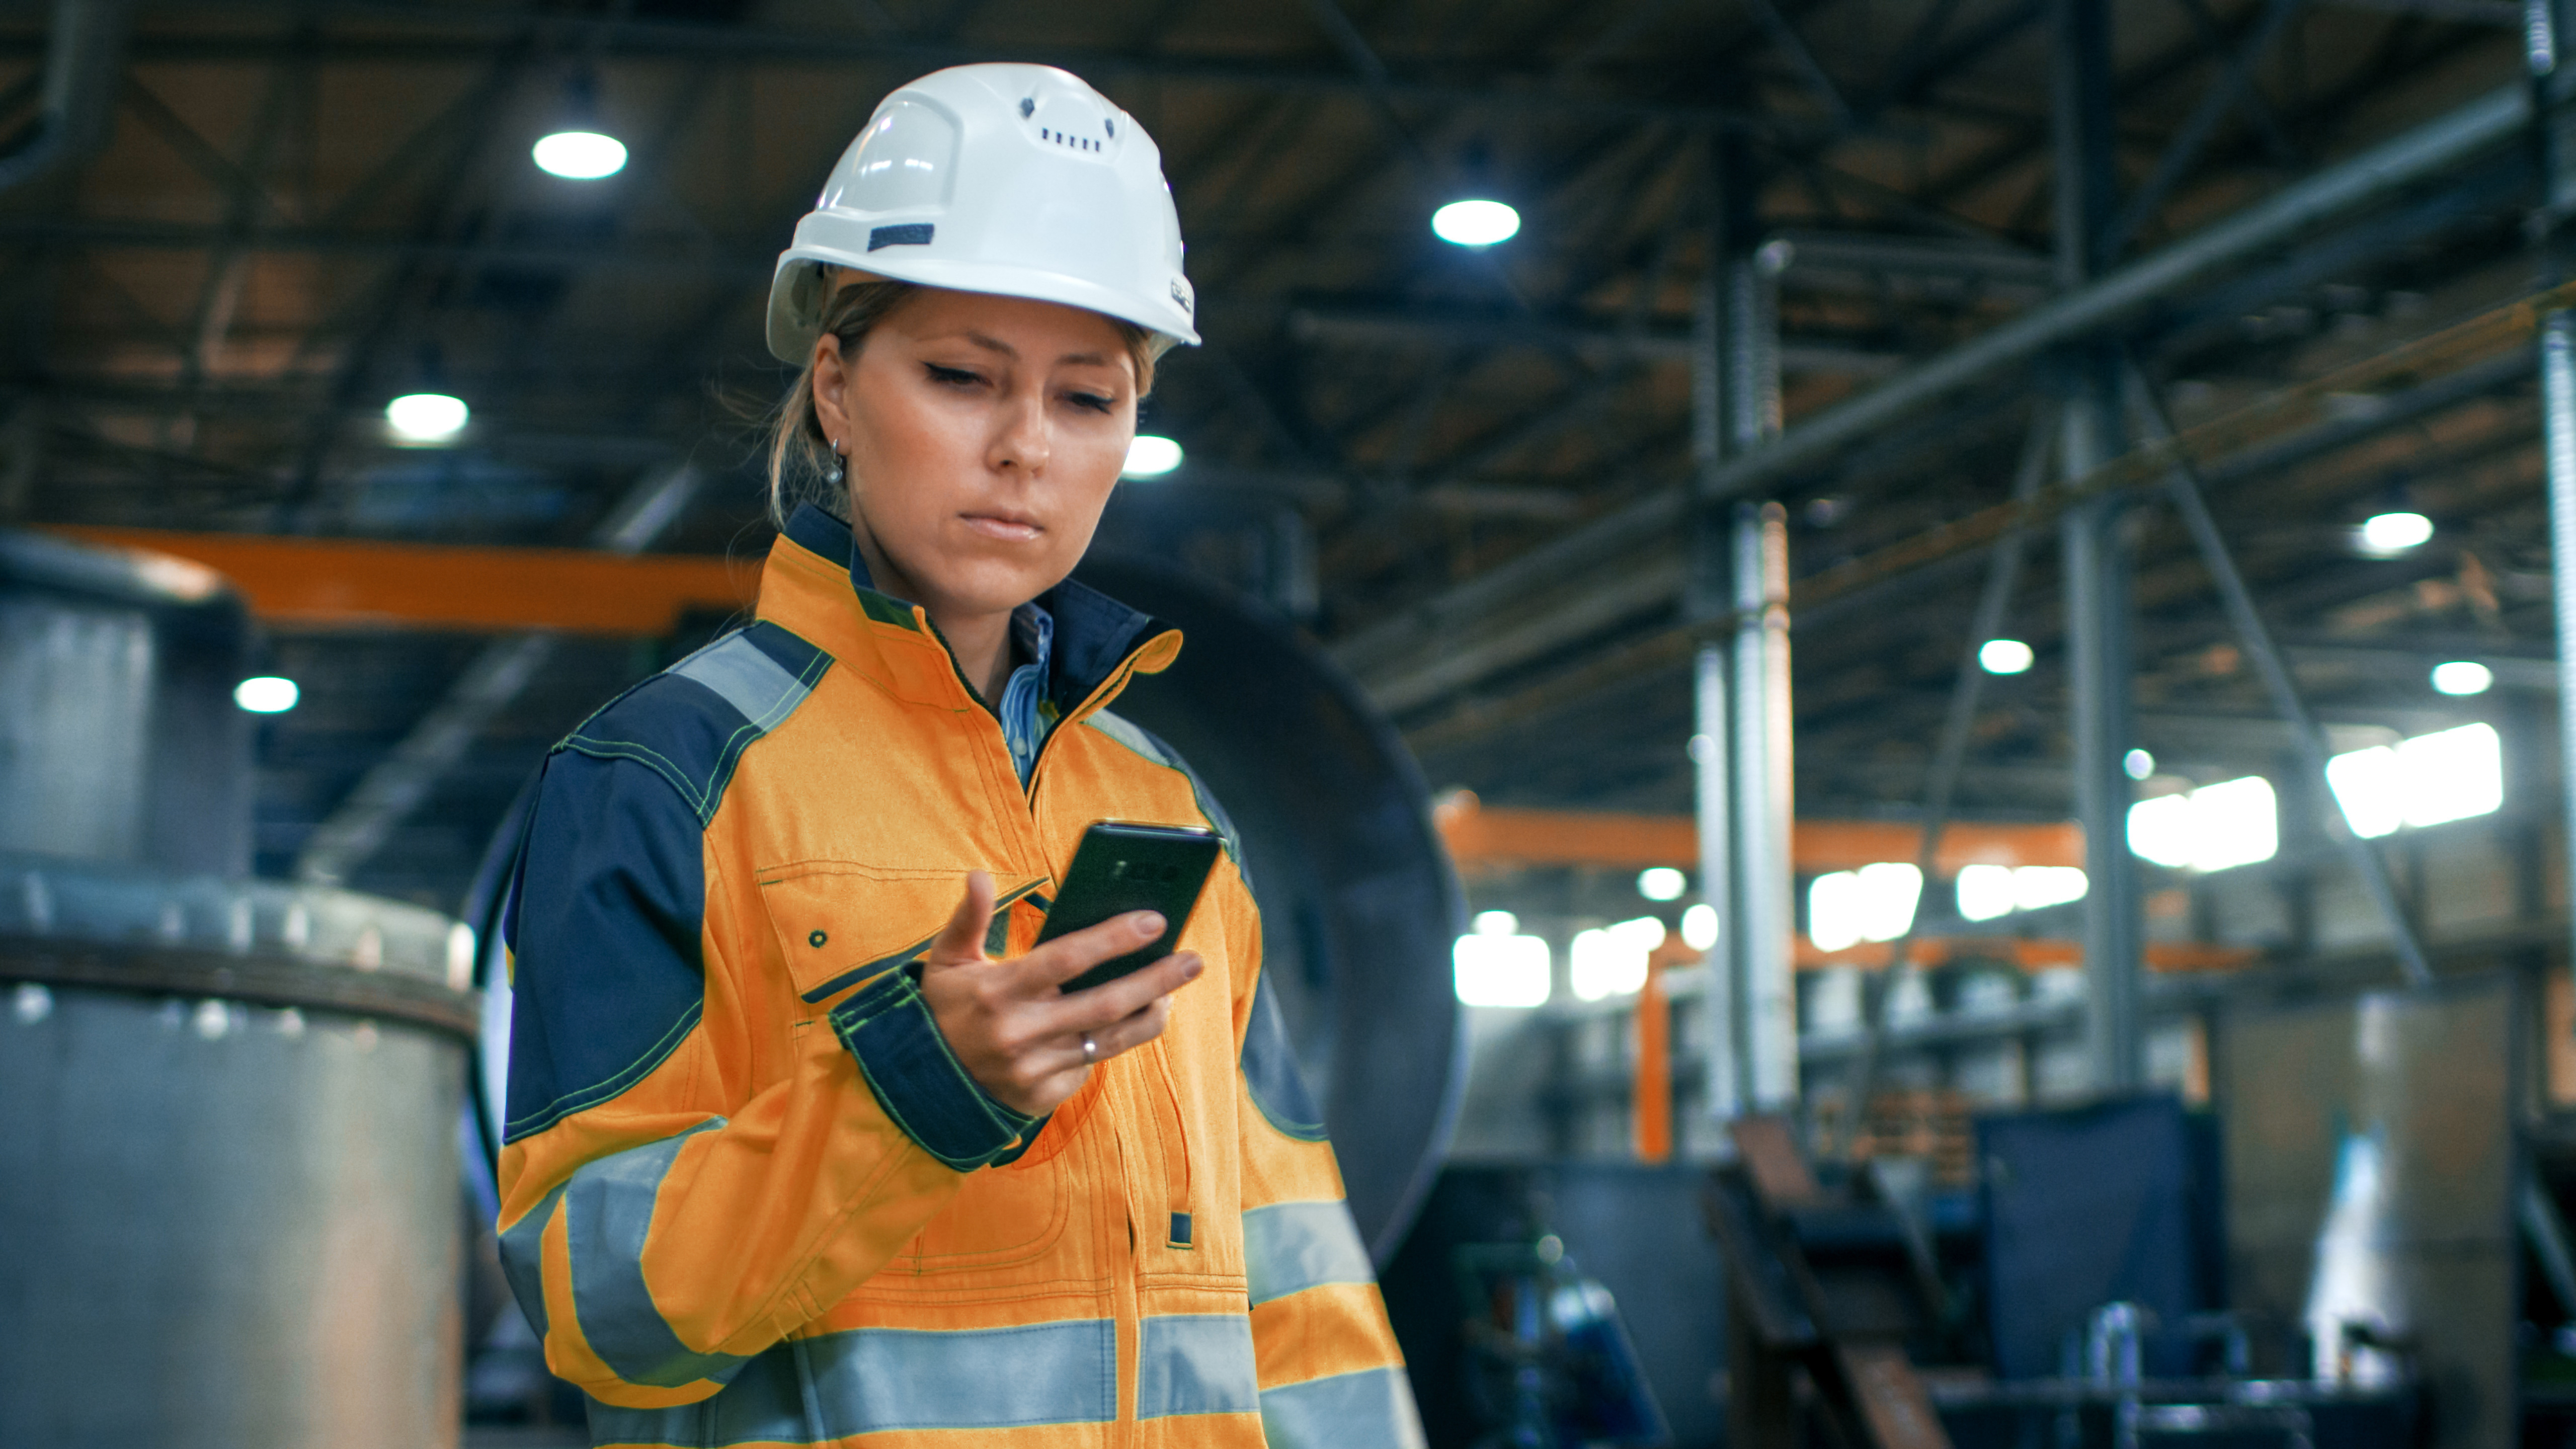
(1019, 180)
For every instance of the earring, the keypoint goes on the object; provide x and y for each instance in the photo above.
(836, 473)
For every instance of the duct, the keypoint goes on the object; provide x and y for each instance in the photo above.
(228, 1108)
(81, 62)
(2409, 159)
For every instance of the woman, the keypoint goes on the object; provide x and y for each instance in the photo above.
(804, 1143)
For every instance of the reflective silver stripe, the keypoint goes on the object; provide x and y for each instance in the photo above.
(523, 1258)
(747, 678)
(874, 1380)
(1292, 1246)
(608, 1207)
(1196, 1363)
(1371, 1409)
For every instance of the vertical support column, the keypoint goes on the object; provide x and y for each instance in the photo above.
(1708, 600)
(1765, 885)
(2544, 48)
(2095, 556)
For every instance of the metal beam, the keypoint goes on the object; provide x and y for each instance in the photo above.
(1611, 544)
(391, 791)
(449, 35)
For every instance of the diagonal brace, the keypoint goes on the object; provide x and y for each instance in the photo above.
(2182, 486)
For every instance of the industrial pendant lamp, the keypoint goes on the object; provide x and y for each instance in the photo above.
(578, 149)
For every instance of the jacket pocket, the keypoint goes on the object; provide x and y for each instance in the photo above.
(1003, 1216)
(840, 923)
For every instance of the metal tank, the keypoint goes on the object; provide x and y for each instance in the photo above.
(1359, 903)
(228, 1109)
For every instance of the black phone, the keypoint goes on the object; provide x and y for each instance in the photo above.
(1122, 867)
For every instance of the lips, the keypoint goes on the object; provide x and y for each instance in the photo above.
(1004, 527)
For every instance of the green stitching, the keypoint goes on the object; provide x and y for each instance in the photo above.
(614, 1086)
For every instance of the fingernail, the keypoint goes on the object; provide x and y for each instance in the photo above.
(1149, 924)
(1197, 965)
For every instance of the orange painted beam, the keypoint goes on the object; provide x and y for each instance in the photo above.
(2027, 954)
(1650, 1093)
(1479, 836)
(336, 583)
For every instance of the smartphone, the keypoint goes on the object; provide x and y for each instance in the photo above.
(1122, 867)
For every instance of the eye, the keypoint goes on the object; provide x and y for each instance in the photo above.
(1096, 402)
(953, 376)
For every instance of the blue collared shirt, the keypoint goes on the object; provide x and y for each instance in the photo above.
(1024, 725)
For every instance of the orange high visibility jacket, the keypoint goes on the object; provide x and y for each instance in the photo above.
(748, 1196)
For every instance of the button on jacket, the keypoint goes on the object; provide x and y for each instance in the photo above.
(748, 1195)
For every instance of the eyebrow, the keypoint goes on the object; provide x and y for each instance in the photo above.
(995, 344)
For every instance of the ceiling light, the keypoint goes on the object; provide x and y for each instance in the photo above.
(2138, 763)
(1475, 223)
(426, 417)
(266, 694)
(1699, 926)
(2004, 656)
(579, 155)
(2462, 676)
(1151, 457)
(2393, 533)
(1662, 883)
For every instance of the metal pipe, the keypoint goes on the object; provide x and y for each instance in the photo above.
(81, 62)
(1765, 884)
(2182, 485)
(2403, 161)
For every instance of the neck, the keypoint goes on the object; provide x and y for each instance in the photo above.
(979, 641)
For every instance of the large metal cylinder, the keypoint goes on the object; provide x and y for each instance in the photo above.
(229, 1175)
(1359, 904)
(118, 736)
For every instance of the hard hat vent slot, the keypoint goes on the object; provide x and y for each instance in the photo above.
(909, 234)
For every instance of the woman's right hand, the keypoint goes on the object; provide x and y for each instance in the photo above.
(1018, 1035)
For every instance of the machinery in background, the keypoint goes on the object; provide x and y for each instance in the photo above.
(1549, 1365)
(228, 1108)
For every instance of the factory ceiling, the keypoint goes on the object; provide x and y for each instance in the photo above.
(257, 222)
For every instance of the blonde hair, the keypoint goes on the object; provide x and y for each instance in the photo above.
(800, 457)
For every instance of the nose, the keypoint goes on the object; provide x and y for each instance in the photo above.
(1022, 438)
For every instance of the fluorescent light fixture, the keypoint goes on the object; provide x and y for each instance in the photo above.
(2463, 676)
(1475, 223)
(2232, 823)
(426, 417)
(1500, 969)
(1151, 457)
(1873, 903)
(1612, 960)
(266, 694)
(1988, 891)
(1662, 883)
(2004, 656)
(1497, 923)
(579, 155)
(2138, 763)
(1699, 926)
(2428, 780)
(2385, 534)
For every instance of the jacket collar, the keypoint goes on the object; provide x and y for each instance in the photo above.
(816, 584)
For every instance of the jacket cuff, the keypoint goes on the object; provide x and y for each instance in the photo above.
(919, 1082)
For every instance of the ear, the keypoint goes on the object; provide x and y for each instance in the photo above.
(831, 389)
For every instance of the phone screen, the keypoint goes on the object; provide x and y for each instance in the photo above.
(1122, 867)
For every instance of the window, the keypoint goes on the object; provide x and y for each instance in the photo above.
(1873, 903)
(2232, 823)
(1612, 960)
(1497, 966)
(1988, 891)
(2430, 779)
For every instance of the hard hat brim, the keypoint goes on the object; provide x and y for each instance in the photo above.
(796, 303)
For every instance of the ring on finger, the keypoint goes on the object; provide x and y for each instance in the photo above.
(1090, 1050)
